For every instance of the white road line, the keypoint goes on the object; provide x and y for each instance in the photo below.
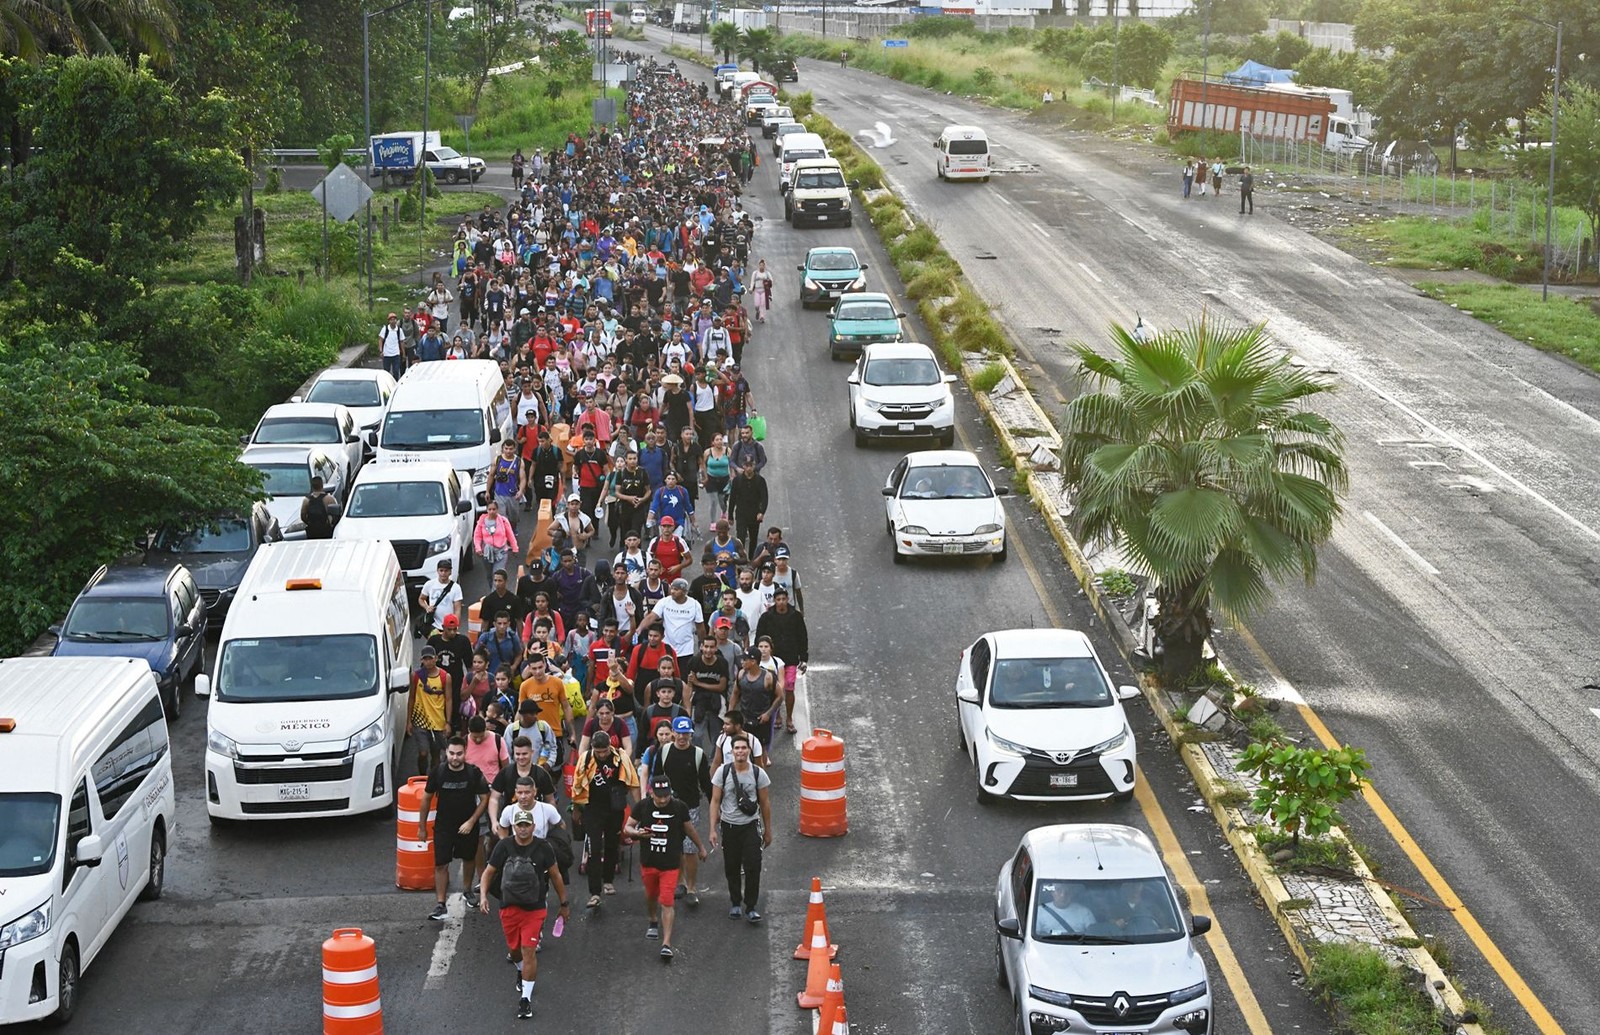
(444, 947)
(1041, 231)
(1416, 558)
(1004, 200)
(1334, 276)
(1595, 712)
(1089, 271)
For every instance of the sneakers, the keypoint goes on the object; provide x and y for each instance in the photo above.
(667, 954)
(524, 1010)
(653, 931)
(439, 913)
(735, 913)
(692, 897)
(753, 916)
(513, 958)
(472, 899)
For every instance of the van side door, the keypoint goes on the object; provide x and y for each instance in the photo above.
(85, 899)
(121, 774)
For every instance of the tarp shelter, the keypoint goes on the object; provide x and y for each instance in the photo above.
(1254, 73)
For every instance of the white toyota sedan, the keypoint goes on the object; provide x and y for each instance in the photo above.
(941, 502)
(1040, 719)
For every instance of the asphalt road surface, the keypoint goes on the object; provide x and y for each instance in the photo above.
(1452, 631)
(235, 944)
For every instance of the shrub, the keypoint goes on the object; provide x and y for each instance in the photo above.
(984, 380)
(984, 78)
(1300, 787)
(919, 244)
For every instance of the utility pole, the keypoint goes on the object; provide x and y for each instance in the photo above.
(423, 182)
(1205, 67)
(1116, 40)
(1550, 193)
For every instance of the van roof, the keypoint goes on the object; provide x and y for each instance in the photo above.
(458, 371)
(430, 386)
(391, 469)
(794, 140)
(965, 131)
(56, 703)
(365, 566)
(818, 163)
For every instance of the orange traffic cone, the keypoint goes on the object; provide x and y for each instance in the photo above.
(817, 972)
(832, 1001)
(840, 1026)
(816, 913)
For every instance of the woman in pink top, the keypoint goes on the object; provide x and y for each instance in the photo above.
(494, 539)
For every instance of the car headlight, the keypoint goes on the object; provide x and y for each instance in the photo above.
(799, 205)
(1045, 995)
(221, 744)
(25, 928)
(913, 530)
(370, 737)
(859, 284)
(872, 404)
(1111, 745)
(808, 284)
(1184, 995)
(1012, 748)
(989, 529)
(439, 545)
(480, 480)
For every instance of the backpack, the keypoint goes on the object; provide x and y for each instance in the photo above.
(522, 883)
(317, 517)
(560, 839)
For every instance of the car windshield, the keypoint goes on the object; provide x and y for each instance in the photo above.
(1048, 683)
(298, 668)
(866, 311)
(117, 620)
(445, 154)
(796, 154)
(1105, 912)
(30, 820)
(432, 429)
(228, 536)
(397, 499)
(902, 372)
(834, 261)
(945, 483)
(319, 431)
(968, 147)
(345, 392)
(285, 479)
(819, 180)
(785, 128)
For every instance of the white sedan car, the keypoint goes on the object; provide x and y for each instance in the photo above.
(1040, 720)
(286, 473)
(941, 503)
(1090, 936)
(365, 390)
(328, 425)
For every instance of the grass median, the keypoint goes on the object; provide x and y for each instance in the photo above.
(1561, 325)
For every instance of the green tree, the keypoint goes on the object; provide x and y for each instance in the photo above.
(1301, 788)
(32, 28)
(1281, 50)
(491, 37)
(1099, 61)
(89, 468)
(1196, 454)
(755, 46)
(1238, 17)
(1577, 181)
(1142, 51)
(568, 57)
(1364, 77)
(725, 37)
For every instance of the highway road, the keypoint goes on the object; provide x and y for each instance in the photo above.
(1452, 630)
(234, 945)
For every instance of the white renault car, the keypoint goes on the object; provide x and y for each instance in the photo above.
(898, 391)
(1040, 720)
(1090, 936)
(942, 503)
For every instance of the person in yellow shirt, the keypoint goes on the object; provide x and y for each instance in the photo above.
(546, 689)
(432, 702)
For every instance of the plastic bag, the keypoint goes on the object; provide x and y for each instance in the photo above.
(758, 427)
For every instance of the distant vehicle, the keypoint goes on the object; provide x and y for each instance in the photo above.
(775, 114)
(783, 70)
(861, 318)
(817, 194)
(153, 614)
(216, 553)
(286, 473)
(399, 156)
(942, 503)
(1282, 111)
(638, 17)
(689, 18)
(365, 390)
(661, 16)
(1417, 156)
(795, 148)
(829, 272)
(782, 130)
(420, 508)
(898, 391)
(963, 154)
(591, 18)
(329, 425)
(1090, 936)
(1039, 720)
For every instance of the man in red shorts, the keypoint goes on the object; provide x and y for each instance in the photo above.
(660, 823)
(520, 872)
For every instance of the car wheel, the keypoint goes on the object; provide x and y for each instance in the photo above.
(894, 549)
(172, 703)
(1122, 797)
(947, 438)
(1000, 965)
(834, 354)
(158, 867)
(961, 735)
(67, 994)
(466, 558)
(455, 177)
(1022, 1021)
(1000, 558)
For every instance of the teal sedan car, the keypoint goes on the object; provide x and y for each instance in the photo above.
(829, 273)
(862, 318)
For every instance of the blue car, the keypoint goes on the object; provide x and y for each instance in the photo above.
(828, 273)
(154, 614)
(862, 318)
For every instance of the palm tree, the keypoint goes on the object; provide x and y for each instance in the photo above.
(1196, 454)
(32, 28)
(725, 37)
(756, 45)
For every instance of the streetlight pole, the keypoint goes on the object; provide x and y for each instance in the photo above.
(424, 175)
(1116, 37)
(1550, 192)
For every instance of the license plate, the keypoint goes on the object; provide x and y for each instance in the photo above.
(1063, 779)
(906, 425)
(952, 547)
(834, 294)
(822, 219)
(294, 792)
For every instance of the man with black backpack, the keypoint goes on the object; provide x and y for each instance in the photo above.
(520, 872)
(319, 510)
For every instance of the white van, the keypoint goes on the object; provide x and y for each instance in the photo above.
(421, 509)
(963, 154)
(452, 410)
(86, 812)
(307, 711)
(793, 148)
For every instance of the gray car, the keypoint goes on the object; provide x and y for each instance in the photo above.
(216, 553)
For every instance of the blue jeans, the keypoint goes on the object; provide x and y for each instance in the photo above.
(395, 365)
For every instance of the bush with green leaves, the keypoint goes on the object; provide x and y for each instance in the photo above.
(1301, 788)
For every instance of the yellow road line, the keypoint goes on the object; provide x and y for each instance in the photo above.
(1200, 902)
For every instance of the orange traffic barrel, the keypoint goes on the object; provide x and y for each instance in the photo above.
(474, 621)
(350, 1003)
(822, 801)
(413, 858)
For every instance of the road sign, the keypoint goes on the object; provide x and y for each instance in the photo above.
(897, 43)
(343, 192)
(465, 122)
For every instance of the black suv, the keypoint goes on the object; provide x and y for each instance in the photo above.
(216, 554)
(783, 70)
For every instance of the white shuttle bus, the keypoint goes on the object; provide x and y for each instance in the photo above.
(308, 691)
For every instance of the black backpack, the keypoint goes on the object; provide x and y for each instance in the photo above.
(522, 882)
(317, 517)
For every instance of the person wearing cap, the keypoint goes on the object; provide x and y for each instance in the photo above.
(786, 627)
(673, 501)
(666, 690)
(785, 576)
(454, 651)
(519, 872)
(748, 500)
(663, 824)
(738, 402)
(577, 527)
(432, 705)
(667, 549)
(542, 738)
(391, 347)
(604, 784)
(739, 796)
(682, 621)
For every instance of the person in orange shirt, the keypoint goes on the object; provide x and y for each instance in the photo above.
(545, 689)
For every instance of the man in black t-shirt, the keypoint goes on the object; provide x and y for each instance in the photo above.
(664, 711)
(455, 654)
(462, 795)
(518, 873)
(708, 680)
(660, 823)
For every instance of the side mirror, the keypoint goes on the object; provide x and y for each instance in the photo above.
(55, 630)
(1002, 490)
(1199, 925)
(1127, 692)
(968, 694)
(185, 629)
(354, 436)
(949, 379)
(372, 439)
(855, 184)
(865, 267)
(801, 267)
(463, 506)
(888, 490)
(852, 380)
(244, 440)
(1010, 928)
(494, 435)
(202, 685)
(90, 851)
(297, 398)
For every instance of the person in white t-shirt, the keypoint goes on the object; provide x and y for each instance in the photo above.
(391, 343)
(545, 815)
(440, 596)
(682, 620)
(733, 724)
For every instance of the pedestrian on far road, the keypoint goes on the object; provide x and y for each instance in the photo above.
(439, 298)
(392, 346)
(1216, 177)
(520, 872)
(1247, 191)
(1188, 175)
(661, 824)
(739, 796)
